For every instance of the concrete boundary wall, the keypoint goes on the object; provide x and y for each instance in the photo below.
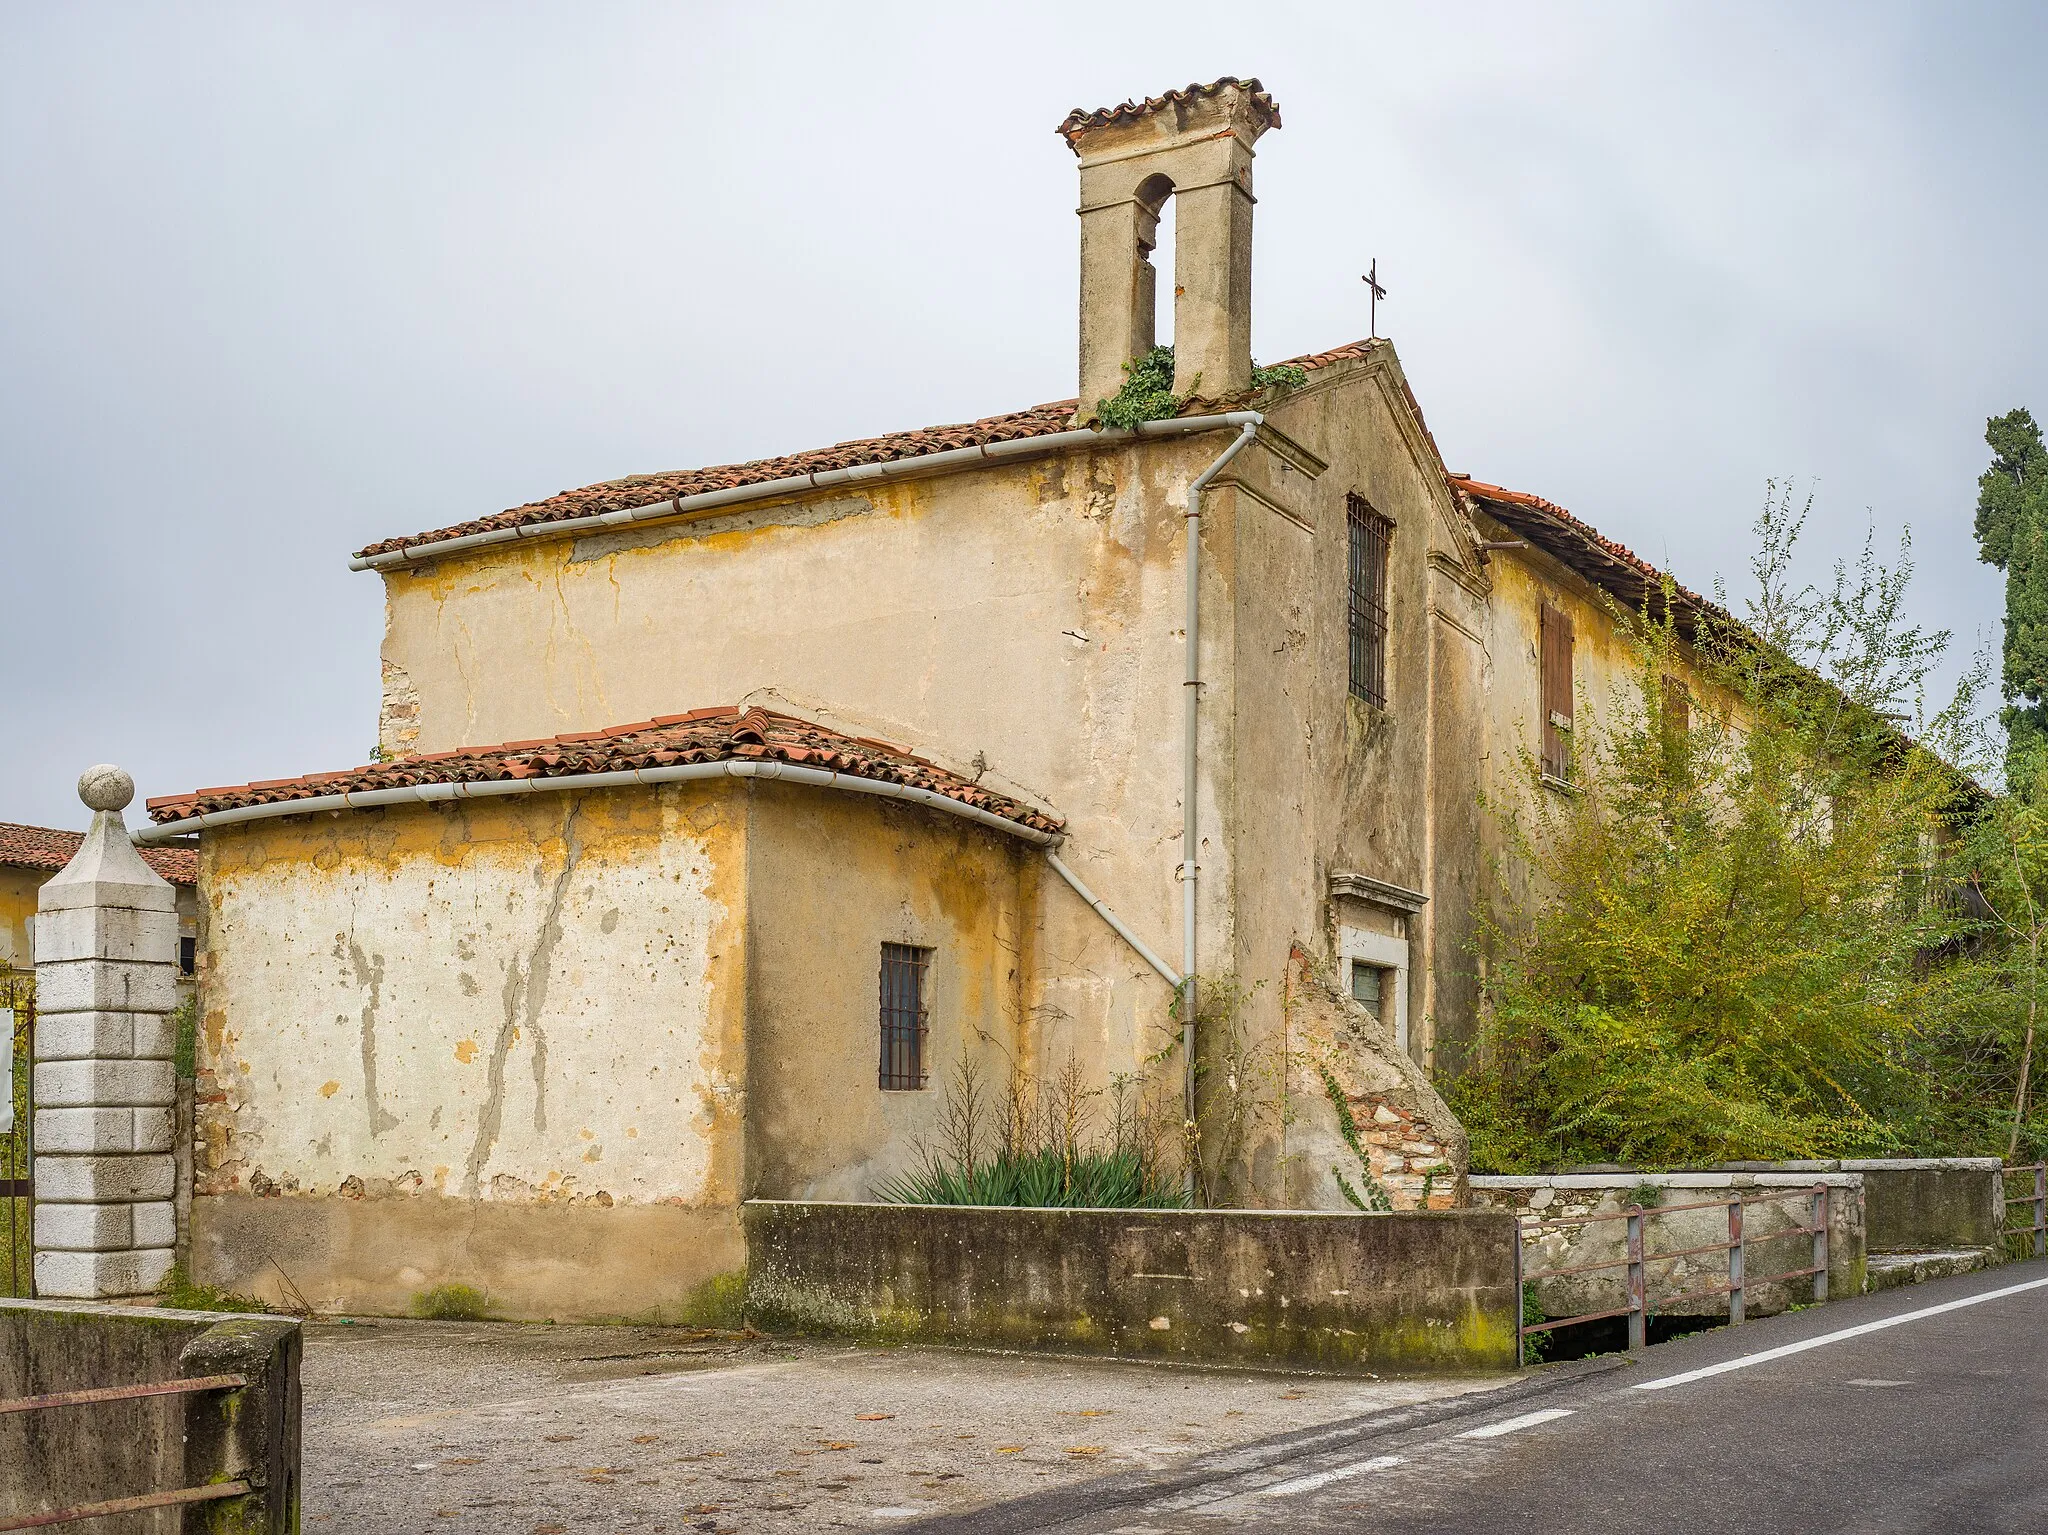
(54, 1458)
(1414, 1292)
(1918, 1204)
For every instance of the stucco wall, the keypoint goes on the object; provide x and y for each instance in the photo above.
(833, 877)
(497, 1043)
(1487, 721)
(1022, 624)
(1025, 623)
(18, 887)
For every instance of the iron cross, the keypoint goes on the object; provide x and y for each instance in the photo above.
(1372, 282)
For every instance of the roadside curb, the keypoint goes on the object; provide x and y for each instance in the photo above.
(1062, 1505)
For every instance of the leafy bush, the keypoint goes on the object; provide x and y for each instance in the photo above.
(1741, 942)
(1147, 392)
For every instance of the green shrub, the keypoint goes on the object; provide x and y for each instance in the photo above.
(1731, 940)
(1147, 392)
(1044, 1153)
(1044, 1178)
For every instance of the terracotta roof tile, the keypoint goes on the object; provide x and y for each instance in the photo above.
(703, 735)
(647, 489)
(1079, 121)
(1614, 568)
(46, 847)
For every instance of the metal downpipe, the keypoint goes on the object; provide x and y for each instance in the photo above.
(1190, 836)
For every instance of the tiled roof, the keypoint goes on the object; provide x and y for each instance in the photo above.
(647, 489)
(1610, 566)
(1079, 122)
(704, 735)
(45, 847)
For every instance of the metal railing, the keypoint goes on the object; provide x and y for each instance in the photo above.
(2037, 1229)
(1637, 1259)
(17, 1079)
(141, 1501)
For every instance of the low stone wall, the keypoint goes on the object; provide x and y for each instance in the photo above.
(1411, 1292)
(1918, 1204)
(1555, 1196)
(61, 1457)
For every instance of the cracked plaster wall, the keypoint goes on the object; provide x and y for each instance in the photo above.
(1023, 624)
(523, 1004)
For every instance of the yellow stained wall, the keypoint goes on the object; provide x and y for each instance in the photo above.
(18, 889)
(1022, 624)
(499, 1043)
(832, 878)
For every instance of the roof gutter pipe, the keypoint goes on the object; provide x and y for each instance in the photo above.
(675, 773)
(798, 484)
(412, 794)
(1249, 422)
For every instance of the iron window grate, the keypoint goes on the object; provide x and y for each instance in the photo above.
(1370, 534)
(904, 1009)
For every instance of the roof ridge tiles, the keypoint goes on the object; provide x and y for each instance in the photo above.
(625, 493)
(698, 737)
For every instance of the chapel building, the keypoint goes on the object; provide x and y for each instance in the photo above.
(723, 816)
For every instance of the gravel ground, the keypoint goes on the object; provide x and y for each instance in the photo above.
(516, 1429)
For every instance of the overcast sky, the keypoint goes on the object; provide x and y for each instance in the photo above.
(278, 281)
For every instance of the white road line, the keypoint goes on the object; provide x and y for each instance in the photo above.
(1324, 1478)
(1835, 1337)
(1515, 1425)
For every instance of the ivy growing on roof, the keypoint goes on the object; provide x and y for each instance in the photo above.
(1147, 394)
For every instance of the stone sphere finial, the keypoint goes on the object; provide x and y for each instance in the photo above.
(105, 787)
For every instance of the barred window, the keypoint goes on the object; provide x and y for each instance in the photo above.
(1370, 533)
(904, 969)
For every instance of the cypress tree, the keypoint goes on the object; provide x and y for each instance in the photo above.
(2012, 534)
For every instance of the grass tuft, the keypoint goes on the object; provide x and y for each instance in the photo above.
(178, 1292)
(452, 1303)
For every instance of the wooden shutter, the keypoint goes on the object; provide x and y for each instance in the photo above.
(1555, 665)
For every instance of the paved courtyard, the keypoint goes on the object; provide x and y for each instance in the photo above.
(517, 1429)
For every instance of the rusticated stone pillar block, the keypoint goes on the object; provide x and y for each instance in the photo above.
(106, 986)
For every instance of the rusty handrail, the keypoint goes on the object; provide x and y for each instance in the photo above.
(123, 1393)
(1637, 1259)
(137, 1504)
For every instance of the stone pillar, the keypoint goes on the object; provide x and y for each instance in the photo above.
(106, 987)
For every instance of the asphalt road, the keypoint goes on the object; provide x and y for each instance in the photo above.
(1923, 1409)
